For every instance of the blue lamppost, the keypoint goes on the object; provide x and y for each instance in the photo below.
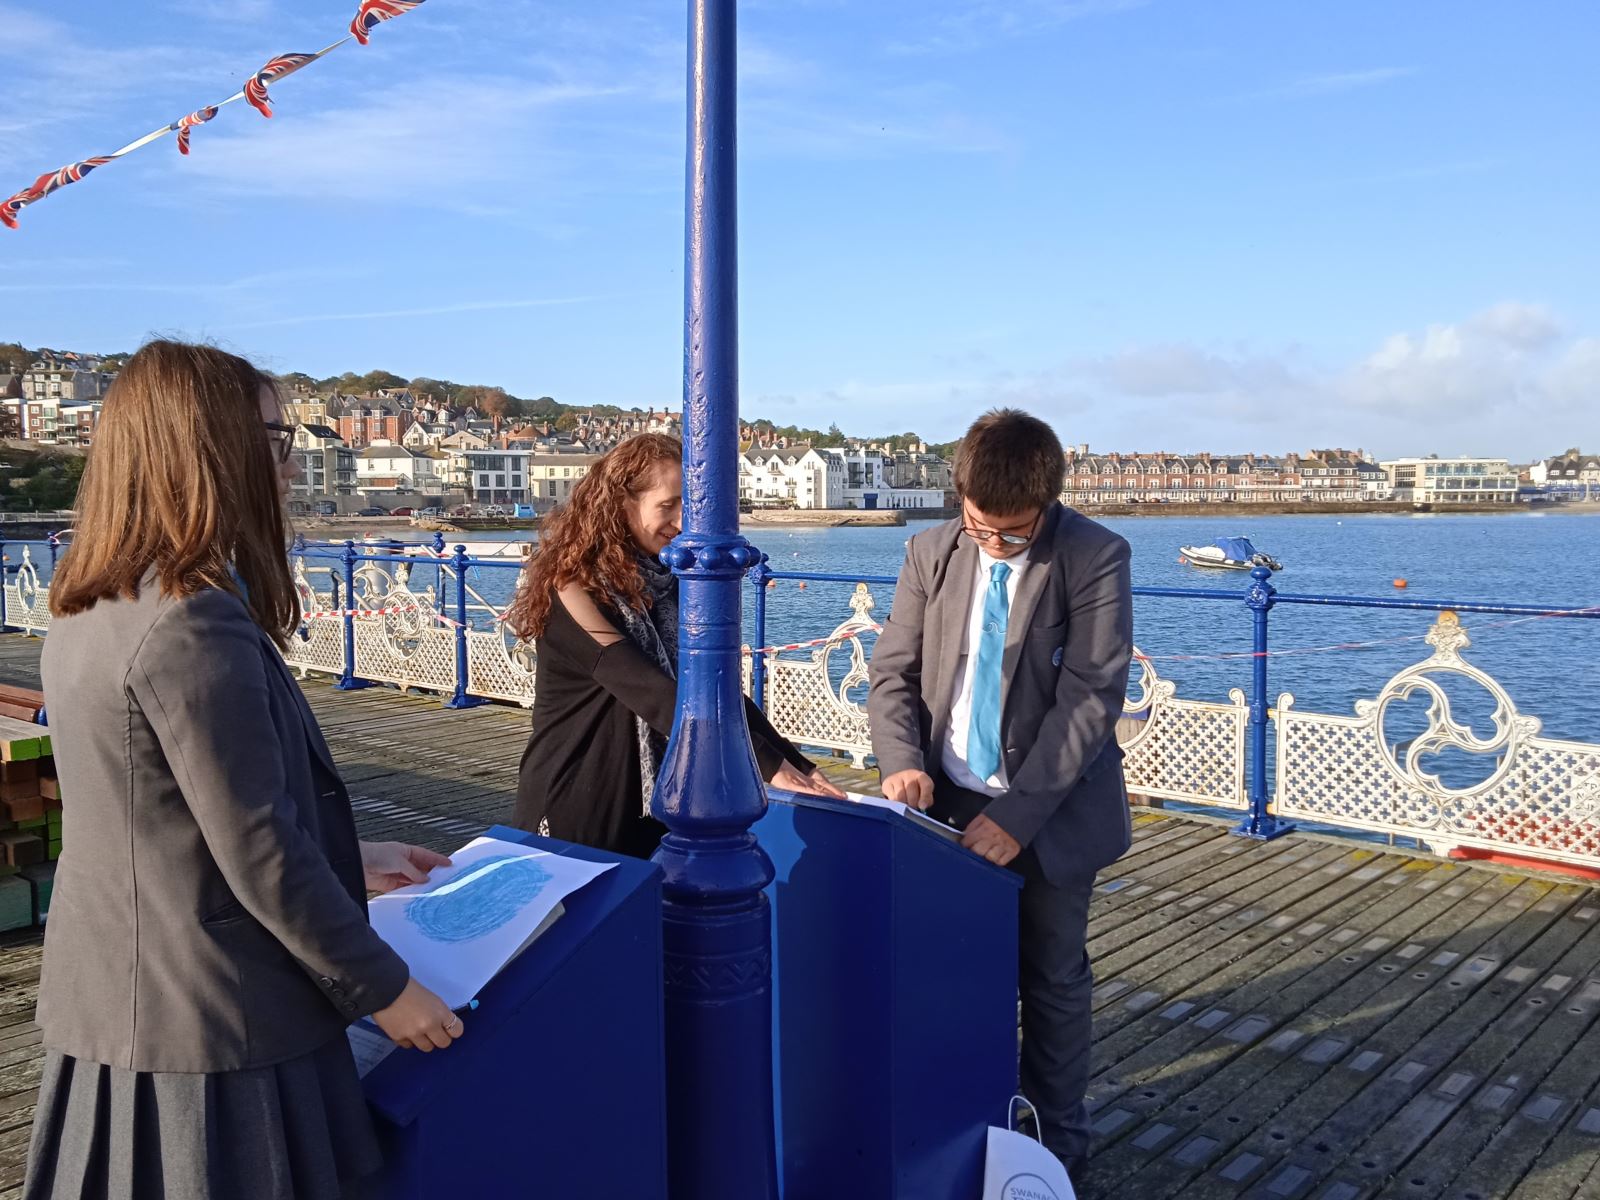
(717, 932)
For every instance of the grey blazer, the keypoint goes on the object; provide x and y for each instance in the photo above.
(209, 911)
(1065, 674)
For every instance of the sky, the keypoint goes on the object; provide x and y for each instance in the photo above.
(1160, 224)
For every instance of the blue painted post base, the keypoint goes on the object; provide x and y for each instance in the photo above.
(465, 702)
(353, 685)
(1261, 829)
(717, 965)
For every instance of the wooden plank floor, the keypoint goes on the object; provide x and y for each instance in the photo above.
(1307, 1018)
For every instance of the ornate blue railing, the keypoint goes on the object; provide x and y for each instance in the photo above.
(1539, 795)
(428, 616)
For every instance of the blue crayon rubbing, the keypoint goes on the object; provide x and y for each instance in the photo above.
(480, 901)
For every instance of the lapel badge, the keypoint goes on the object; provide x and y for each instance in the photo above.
(1055, 659)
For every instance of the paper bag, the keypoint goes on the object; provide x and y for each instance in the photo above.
(1018, 1168)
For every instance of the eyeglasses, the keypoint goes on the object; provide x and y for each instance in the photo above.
(979, 534)
(283, 445)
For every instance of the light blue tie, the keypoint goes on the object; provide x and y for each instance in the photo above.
(983, 729)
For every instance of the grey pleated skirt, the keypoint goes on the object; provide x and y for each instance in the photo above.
(298, 1130)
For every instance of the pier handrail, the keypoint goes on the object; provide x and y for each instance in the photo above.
(1259, 598)
(376, 613)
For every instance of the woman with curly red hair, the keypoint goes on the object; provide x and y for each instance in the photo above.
(605, 612)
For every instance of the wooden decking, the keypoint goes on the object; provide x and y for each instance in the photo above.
(1309, 1018)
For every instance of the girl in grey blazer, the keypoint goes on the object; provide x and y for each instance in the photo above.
(208, 939)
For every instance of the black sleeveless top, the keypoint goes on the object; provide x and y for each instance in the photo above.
(579, 779)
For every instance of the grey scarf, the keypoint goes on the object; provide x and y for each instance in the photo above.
(655, 633)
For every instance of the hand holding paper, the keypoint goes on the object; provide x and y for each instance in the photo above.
(914, 788)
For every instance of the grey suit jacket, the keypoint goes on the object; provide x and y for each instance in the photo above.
(209, 912)
(1065, 674)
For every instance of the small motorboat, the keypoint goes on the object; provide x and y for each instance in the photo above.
(1229, 554)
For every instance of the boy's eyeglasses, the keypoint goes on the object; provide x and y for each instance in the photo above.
(979, 534)
(282, 439)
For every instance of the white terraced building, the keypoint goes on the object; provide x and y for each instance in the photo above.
(805, 477)
(1452, 480)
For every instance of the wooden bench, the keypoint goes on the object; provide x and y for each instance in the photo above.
(20, 703)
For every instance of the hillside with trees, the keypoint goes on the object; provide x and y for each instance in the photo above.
(489, 399)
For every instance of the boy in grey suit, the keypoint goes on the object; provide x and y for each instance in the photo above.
(995, 691)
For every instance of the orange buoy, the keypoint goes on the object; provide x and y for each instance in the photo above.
(772, 583)
(1401, 583)
(802, 585)
(1182, 561)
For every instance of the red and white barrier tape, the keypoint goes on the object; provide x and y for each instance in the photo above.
(352, 612)
(814, 642)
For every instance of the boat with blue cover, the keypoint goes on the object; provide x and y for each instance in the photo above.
(1229, 554)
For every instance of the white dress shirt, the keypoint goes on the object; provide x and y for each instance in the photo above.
(953, 756)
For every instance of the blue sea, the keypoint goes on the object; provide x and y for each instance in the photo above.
(1548, 559)
(1547, 666)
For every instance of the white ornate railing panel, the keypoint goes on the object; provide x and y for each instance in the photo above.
(1187, 750)
(27, 600)
(803, 701)
(1539, 796)
(402, 638)
(403, 642)
(319, 645)
(500, 669)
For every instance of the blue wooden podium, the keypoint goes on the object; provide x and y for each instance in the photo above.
(557, 1088)
(895, 1010)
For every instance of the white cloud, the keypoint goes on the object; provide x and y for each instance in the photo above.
(1327, 83)
(970, 24)
(1344, 81)
(460, 144)
(436, 310)
(1505, 381)
(238, 12)
(1524, 326)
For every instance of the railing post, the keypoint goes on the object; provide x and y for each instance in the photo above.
(461, 699)
(348, 682)
(716, 924)
(438, 570)
(4, 619)
(55, 553)
(297, 552)
(1260, 824)
(759, 575)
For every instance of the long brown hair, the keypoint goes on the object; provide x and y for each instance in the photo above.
(182, 478)
(587, 541)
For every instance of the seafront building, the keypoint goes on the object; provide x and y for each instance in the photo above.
(828, 478)
(327, 466)
(1452, 480)
(1570, 476)
(1325, 476)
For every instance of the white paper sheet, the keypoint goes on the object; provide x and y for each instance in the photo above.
(905, 810)
(457, 930)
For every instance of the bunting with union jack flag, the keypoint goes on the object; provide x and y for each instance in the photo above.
(186, 126)
(369, 14)
(45, 184)
(255, 88)
(372, 13)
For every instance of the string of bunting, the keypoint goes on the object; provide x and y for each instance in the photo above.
(369, 14)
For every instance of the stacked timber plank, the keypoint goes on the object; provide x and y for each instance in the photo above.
(30, 823)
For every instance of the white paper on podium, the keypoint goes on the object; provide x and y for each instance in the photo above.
(460, 928)
(905, 810)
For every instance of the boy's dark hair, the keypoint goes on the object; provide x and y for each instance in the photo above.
(1009, 462)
